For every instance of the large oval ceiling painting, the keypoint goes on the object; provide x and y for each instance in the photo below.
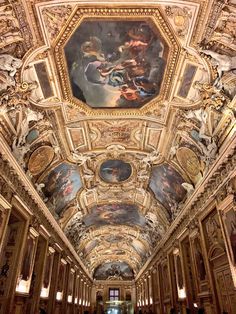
(116, 64)
(115, 171)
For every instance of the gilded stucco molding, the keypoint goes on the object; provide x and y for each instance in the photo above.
(83, 13)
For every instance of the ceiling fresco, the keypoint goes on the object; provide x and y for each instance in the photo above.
(61, 186)
(117, 115)
(116, 64)
(116, 61)
(116, 270)
(114, 171)
(112, 214)
(166, 184)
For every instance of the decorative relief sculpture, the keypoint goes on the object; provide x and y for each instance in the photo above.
(81, 159)
(145, 163)
(225, 27)
(125, 140)
(206, 141)
(211, 96)
(19, 146)
(142, 177)
(209, 151)
(105, 133)
(154, 228)
(19, 152)
(213, 231)
(201, 115)
(115, 150)
(39, 188)
(152, 158)
(16, 96)
(55, 18)
(8, 68)
(224, 64)
(75, 229)
(188, 187)
(10, 64)
(30, 115)
(173, 151)
(181, 18)
(9, 27)
(84, 160)
(206, 125)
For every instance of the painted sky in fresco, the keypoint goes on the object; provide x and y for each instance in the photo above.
(165, 182)
(115, 171)
(114, 269)
(116, 64)
(62, 185)
(114, 214)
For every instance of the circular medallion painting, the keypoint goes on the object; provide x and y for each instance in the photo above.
(115, 171)
(188, 160)
(40, 159)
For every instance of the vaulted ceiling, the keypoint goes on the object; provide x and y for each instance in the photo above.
(124, 121)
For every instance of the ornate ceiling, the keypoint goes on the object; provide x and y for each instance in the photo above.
(117, 112)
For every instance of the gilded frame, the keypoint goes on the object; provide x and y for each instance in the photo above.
(81, 13)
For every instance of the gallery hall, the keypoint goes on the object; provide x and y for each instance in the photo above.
(118, 157)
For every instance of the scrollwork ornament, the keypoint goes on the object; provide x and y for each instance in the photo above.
(35, 223)
(193, 225)
(221, 195)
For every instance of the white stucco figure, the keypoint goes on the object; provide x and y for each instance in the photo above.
(224, 63)
(19, 152)
(9, 64)
(188, 187)
(30, 115)
(202, 116)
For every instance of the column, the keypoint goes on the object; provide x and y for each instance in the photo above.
(12, 254)
(5, 209)
(147, 301)
(62, 289)
(143, 294)
(81, 294)
(154, 291)
(54, 281)
(76, 291)
(39, 270)
(160, 289)
(150, 285)
(93, 298)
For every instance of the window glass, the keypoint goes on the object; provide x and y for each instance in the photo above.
(114, 294)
